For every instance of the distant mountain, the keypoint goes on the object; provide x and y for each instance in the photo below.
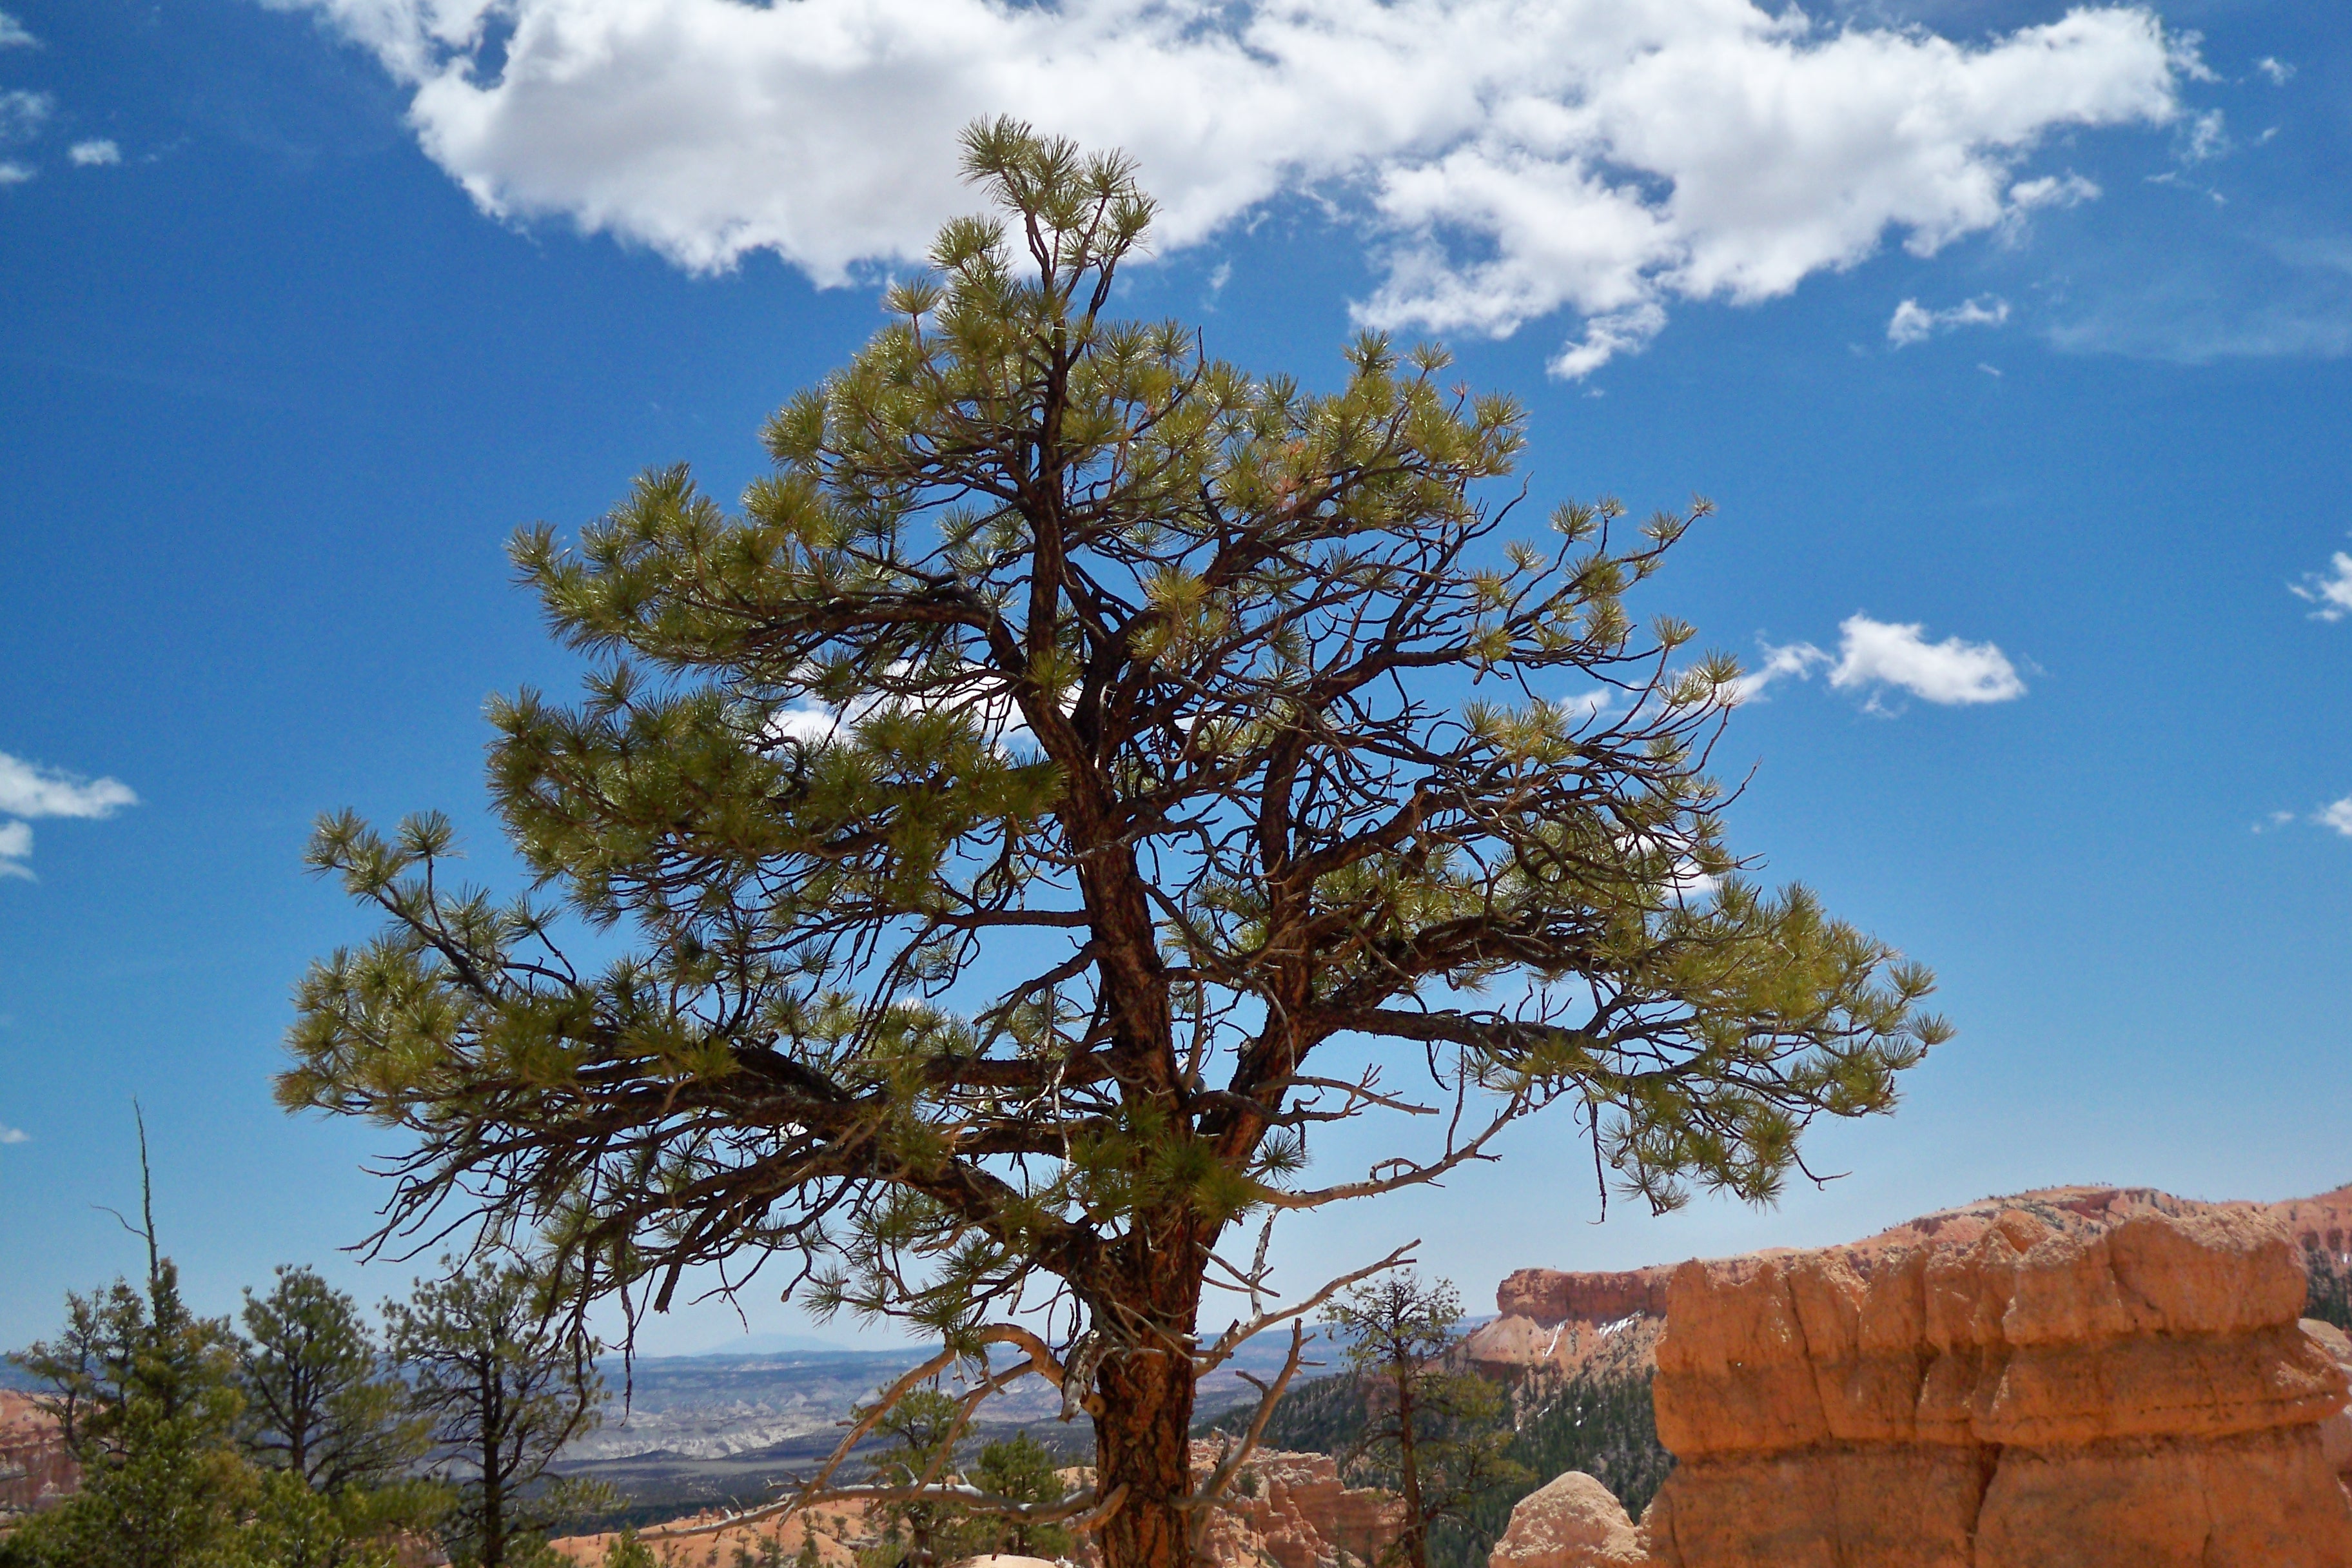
(779, 1344)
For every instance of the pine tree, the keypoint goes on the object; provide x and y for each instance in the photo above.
(1023, 1470)
(921, 1428)
(323, 1406)
(626, 1550)
(1433, 1430)
(994, 828)
(502, 1388)
(144, 1392)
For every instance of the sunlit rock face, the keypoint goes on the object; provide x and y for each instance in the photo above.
(1551, 1320)
(1571, 1522)
(34, 1469)
(2081, 1377)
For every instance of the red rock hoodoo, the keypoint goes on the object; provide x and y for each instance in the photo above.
(1300, 1513)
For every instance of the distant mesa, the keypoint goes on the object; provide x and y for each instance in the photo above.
(789, 1344)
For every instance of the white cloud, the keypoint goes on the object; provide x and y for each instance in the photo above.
(2047, 192)
(28, 789)
(13, 35)
(94, 154)
(1881, 653)
(15, 848)
(1796, 659)
(1877, 654)
(13, 174)
(11, 1135)
(2338, 817)
(2208, 138)
(2277, 70)
(1516, 157)
(2332, 592)
(1914, 323)
(23, 113)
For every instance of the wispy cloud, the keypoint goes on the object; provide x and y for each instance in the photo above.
(15, 848)
(2206, 136)
(1510, 160)
(30, 790)
(94, 153)
(1796, 659)
(13, 36)
(2276, 69)
(23, 113)
(1875, 655)
(11, 1135)
(14, 173)
(1914, 323)
(2330, 590)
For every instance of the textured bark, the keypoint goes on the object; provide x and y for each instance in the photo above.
(1143, 1432)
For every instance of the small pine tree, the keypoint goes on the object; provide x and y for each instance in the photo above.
(323, 1407)
(1021, 1470)
(924, 1531)
(146, 1395)
(1436, 1430)
(627, 1552)
(503, 1388)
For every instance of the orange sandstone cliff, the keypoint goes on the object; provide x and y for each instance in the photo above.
(2088, 1376)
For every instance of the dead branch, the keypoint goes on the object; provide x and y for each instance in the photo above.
(1233, 1337)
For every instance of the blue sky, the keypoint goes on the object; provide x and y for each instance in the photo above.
(2012, 346)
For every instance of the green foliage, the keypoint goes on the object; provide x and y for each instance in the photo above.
(923, 1429)
(1597, 1422)
(324, 1409)
(502, 1386)
(167, 1412)
(1070, 738)
(627, 1552)
(145, 1394)
(1318, 1416)
(1022, 1470)
(771, 1553)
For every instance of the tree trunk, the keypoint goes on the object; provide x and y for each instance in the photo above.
(1142, 1441)
(494, 1490)
(1416, 1526)
(1143, 1435)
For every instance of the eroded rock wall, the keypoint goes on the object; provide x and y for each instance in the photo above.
(1297, 1513)
(2063, 1379)
(34, 1469)
(1550, 1320)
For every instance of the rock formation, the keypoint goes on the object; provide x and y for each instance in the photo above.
(1566, 1323)
(1571, 1522)
(34, 1469)
(2078, 1377)
(1293, 1510)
